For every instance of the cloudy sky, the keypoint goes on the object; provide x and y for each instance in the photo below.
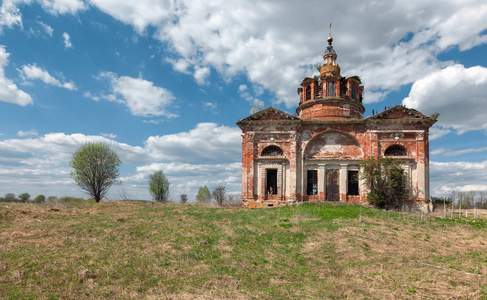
(163, 82)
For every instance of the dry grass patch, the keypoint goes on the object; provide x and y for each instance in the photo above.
(126, 250)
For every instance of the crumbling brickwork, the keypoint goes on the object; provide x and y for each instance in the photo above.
(319, 150)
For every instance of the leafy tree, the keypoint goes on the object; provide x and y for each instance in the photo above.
(203, 195)
(10, 197)
(386, 181)
(184, 198)
(24, 197)
(159, 186)
(219, 194)
(95, 169)
(39, 199)
(52, 199)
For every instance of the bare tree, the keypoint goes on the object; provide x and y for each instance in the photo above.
(219, 194)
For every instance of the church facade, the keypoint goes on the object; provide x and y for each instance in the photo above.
(315, 155)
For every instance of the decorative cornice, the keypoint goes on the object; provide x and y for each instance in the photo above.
(411, 116)
(331, 100)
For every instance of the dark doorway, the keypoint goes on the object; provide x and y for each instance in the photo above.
(332, 185)
(352, 183)
(312, 182)
(271, 182)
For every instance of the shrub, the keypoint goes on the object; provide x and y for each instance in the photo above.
(68, 199)
(24, 197)
(203, 195)
(52, 199)
(219, 194)
(10, 197)
(387, 182)
(159, 186)
(39, 199)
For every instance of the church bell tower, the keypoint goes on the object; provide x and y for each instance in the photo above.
(330, 96)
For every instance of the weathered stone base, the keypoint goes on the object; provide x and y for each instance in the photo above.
(418, 206)
(267, 203)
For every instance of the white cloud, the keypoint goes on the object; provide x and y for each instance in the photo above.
(35, 72)
(459, 176)
(457, 93)
(142, 97)
(388, 43)
(9, 92)
(229, 37)
(62, 6)
(179, 65)
(48, 29)
(10, 14)
(448, 153)
(212, 106)
(188, 178)
(201, 75)
(436, 132)
(141, 13)
(39, 29)
(462, 28)
(209, 154)
(27, 133)
(208, 142)
(67, 40)
(108, 135)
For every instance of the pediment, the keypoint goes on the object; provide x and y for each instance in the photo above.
(269, 114)
(400, 112)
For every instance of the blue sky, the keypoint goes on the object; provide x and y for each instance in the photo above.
(163, 82)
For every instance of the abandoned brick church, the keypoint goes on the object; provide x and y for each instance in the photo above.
(315, 155)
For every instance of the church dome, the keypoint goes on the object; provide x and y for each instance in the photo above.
(330, 96)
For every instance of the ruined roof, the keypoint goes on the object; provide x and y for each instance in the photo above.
(401, 112)
(269, 114)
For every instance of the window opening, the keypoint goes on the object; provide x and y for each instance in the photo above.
(312, 185)
(343, 87)
(352, 183)
(396, 150)
(272, 151)
(318, 90)
(308, 92)
(271, 182)
(354, 91)
(330, 88)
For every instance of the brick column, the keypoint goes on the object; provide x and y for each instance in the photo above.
(422, 169)
(293, 167)
(343, 182)
(279, 183)
(248, 166)
(321, 182)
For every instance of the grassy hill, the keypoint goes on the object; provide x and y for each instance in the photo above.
(125, 250)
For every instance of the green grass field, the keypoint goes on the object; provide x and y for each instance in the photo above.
(125, 250)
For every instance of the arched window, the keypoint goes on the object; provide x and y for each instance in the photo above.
(330, 88)
(308, 92)
(272, 151)
(396, 150)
